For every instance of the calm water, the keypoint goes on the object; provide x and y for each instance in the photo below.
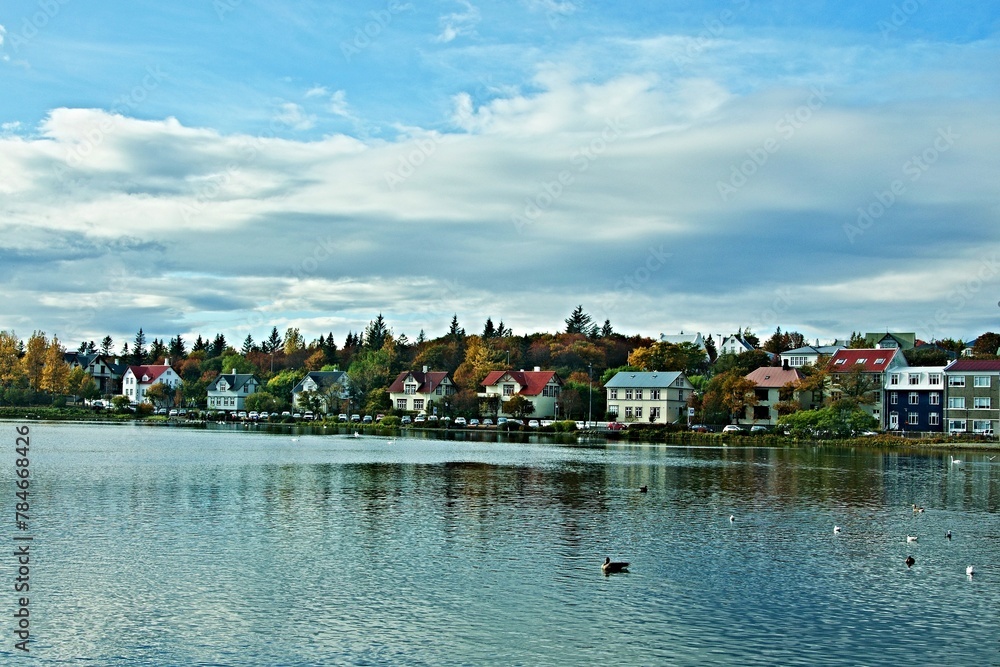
(182, 547)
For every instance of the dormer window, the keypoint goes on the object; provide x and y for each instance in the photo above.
(880, 360)
(863, 360)
(839, 362)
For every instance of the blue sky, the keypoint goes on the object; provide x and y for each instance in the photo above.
(231, 165)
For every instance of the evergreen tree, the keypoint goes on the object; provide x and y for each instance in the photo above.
(248, 345)
(580, 322)
(157, 350)
(421, 337)
(750, 338)
(177, 348)
(218, 347)
(857, 341)
(200, 345)
(106, 345)
(139, 349)
(489, 331)
(273, 342)
(503, 332)
(456, 332)
(606, 330)
(376, 333)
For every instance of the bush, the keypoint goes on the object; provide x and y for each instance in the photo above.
(390, 421)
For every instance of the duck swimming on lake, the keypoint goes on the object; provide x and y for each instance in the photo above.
(909, 561)
(948, 534)
(911, 538)
(610, 567)
(643, 489)
(971, 570)
(836, 530)
(917, 509)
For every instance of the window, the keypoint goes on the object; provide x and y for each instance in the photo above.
(956, 380)
(956, 425)
(508, 390)
(981, 381)
(638, 413)
(880, 361)
(862, 361)
(613, 394)
(934, 419)
(913, 378)
(638, 395)
(550, 390)
(914, 398)
(418, 404)
(934, 378)
(981, 425)
(934, 398)
(981, 403)
(654, 413)
(613, 409)
(894, 398)
(628, 394)
(654, 395)
(410, 389)
(839, 362)
(628, 412)
(894, 378)
(913, 418)
(956, 402)
(400, 403)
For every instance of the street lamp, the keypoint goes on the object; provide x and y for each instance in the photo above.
(590, 394)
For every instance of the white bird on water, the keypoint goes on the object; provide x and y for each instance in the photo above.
(836, 530)
(971, 570)
(955, 461)
(911, 538)
(732, 519)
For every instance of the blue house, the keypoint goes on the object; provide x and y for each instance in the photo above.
(914, 398)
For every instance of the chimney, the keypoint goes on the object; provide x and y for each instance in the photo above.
(538, 369)
(425, 369)
(784, 364)
(166, 361)
(234, 371)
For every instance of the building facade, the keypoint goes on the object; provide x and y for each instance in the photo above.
(138, 379)
(228, 392)
(915, 399)
(654, 397)
(972, 396)
(416, 391)
(541, 388)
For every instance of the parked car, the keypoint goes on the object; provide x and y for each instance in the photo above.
(461, 421)
(405, 419)
(487, 422)
(172, 413)
(501, 421)
(286, 413)
(242, 414)
(616, 426)
(379, 417)
(432, 418)
(264, 416)
(342, 417)
(758, 428)
(309, 416)
(355, 418)
(419, 419)
(732, 428)
(472, 422)
(533, 423)
(367, 419)
(254, 415)
(297, 415)
(701, 428)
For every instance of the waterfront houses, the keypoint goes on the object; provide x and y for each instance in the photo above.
(973, 396)
(541, 388)
(419, 390)
(658, 397)
(808, 355)
(873, 366)
(138, 379)
(777, 385)
(228, 392)
(106, 370)
(914, 399)
(331, 387)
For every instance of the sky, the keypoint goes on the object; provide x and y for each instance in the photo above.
(229, 166)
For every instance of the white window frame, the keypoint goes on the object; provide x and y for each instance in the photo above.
(934, 419)
(956, 380)
(956, 402)
(980, 380)
(981, 403)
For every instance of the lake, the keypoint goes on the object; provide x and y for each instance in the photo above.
(178, 546)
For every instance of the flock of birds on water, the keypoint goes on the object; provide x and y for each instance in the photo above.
(614, 567)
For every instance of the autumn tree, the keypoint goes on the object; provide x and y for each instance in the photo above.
(857, 385)
(159, 395)
(663, 356)
(11, 369)
(987, 346)
(518, 406)
(55, 370)
(81, 384)
(480, 359)
(34, 359)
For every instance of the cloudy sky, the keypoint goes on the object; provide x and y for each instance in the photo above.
(233, 165)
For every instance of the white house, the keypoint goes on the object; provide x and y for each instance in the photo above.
(229, 391)
(540, 387)
(734, 345)
(138, 379)
(693, 339)
(416, 390)
(808, 355)
(655, 397)
(323, 383)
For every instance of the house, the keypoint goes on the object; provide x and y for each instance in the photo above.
(972, 395)
(692, 339)
(418, 391)
(228, 392)
(655, 397)
(137, 380)
(915, 398)
(734, 344)
(884, 341)
(328, 384)
(106, 370)
(540, 387)
(808, 354)
(874, 364)
(776, 385)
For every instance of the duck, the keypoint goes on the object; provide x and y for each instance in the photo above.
(948, 534)
(357, 435)
(917, 509)
(611, 567)
(732, 519)
(836, 530)
(643, 489)
(909, 561)
(911, 538)
(971, 570)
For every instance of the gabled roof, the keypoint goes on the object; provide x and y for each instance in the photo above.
(973, 365)
(814, 349)
(872, 359)
(427, 382)
(676, 339)
(643, 380)
(773, 377)
(532, 382)
(903, 340)
(323, 379)
(151, 373)
(236, 381)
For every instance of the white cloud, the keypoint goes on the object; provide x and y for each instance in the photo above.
(294, 116)
(339, 106)
(317, 91)
(459, 24)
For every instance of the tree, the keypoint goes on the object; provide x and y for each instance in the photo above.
(34, 359)
(480, 359)
(264, 401)
(840, 420)
(272, 342)
(738, 393)
(55, 371)
(857, 341)
(742, 363)
(248, 345)
(580, 323)
(663, 356)
(376, 333)
(927, 356)
(310, 401)
(456, 332)
(157, 350)
(139, 348)
(121, 403)
(489, 331)
(711, 350)
(518, 406)
(200, 345)
(281, 385)
(750, 338)
(238, 363)
(987, 346)
(857, 385)
(218, 347)
(159, 395)
(177, 348)
(294, 341)
(107, 343)
(606, 330)
(81, 384)
(11, 369)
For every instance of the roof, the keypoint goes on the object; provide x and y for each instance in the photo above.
(774, 377)
(812, 349)
(874, 360)
(426, 382)
(236, 381)
(904, 340)
(152, 372)
(676, 339)
(973, 365)
(532, 382)
(323, 379)
(643, 380)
